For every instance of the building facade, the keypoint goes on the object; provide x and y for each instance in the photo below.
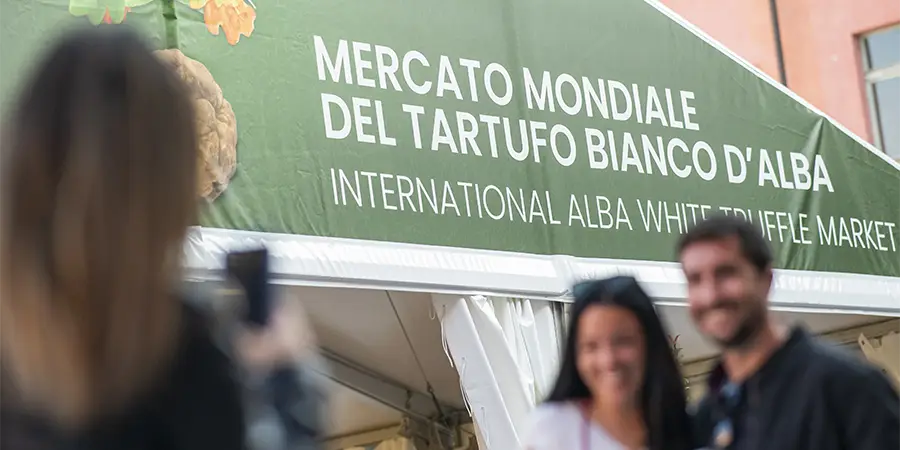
(842, 56)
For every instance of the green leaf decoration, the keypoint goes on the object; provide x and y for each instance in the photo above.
(97, 10)
(136, 3)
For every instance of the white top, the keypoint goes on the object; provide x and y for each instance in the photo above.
(563, 426)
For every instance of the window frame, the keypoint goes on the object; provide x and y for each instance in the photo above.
(870, 78)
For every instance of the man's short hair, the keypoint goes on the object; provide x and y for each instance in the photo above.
(753, 244)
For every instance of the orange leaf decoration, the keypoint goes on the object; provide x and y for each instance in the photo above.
(235, 18)
(108, 19)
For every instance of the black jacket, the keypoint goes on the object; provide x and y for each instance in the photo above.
(198, 406)
(807, 396)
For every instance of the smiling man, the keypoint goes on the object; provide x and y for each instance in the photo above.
(774, 388)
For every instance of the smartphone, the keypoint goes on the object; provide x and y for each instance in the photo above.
(250, 269)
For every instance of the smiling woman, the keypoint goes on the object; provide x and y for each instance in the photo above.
(619, 384)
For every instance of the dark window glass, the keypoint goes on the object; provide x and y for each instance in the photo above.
(887, 103)
(883, 48)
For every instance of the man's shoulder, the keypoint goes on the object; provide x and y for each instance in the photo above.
(838, 363)
(842, 376)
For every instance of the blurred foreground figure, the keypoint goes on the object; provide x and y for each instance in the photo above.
(99, 178)
(774, 389)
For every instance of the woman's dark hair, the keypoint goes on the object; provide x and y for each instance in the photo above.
(662, 397)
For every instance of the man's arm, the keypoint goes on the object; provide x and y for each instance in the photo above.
(867, 408)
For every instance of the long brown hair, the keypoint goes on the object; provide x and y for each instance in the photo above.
(98, 188)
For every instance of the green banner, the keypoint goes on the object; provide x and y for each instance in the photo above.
(585, 128)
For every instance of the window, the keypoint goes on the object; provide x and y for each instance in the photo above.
(881, 61)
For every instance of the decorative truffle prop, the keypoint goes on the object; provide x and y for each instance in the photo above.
(216, 124)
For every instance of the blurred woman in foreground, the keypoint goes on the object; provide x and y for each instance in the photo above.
(99, 179)
(619, 387)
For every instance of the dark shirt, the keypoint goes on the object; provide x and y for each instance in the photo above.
(196, 407)
(807, 396)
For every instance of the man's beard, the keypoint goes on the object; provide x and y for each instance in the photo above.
(747, 331)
